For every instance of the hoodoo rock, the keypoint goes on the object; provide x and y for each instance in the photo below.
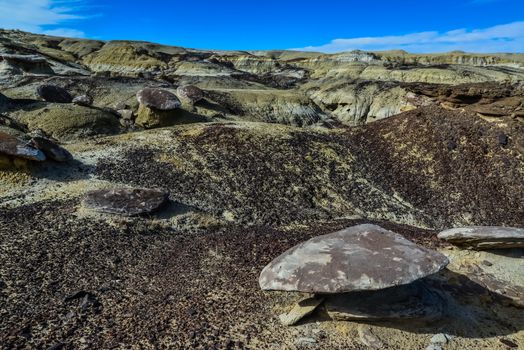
(157, 108)
(53, 93)
(485, 237)
(358, 258)
(126, 201)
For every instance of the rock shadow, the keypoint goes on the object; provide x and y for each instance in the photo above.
(470, 311)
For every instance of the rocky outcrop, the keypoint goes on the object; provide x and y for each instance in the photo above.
(126, 201)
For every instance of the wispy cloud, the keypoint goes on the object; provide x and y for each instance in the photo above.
(41, 16)
(500, 38)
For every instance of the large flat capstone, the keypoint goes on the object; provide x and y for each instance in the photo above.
(363, 257)
(159, 99)
(12, 146)
(485, 237)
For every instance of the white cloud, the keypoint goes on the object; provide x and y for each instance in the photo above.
(40, 16)
(501, 38)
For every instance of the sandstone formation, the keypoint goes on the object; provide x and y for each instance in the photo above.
(485, 237)
(51, 149)
(11, 146)
(190, 93)
(364, 257)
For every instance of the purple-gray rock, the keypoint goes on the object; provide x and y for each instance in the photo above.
(126, 201)
(83, 100)
(51, 149)
(485, 237)
(14, 147)
(53, 93)
(158, 99)
(363, 257)
(190, 93)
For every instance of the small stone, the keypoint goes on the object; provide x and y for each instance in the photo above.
(434, 347)
(301, 309)
(440, 338)
(53, 93)
(503, 139)
(367, 337)
(305, 342)
(509, 343)
(486, 263)
(126, 201)
(12, 146)
(57, 346)
(125, 114)
(51, 149)
(158, 99)
(83, 100)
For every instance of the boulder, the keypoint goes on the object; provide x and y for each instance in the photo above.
(485, 237)
(12, 146)
(83, 100)
(363, 257)
(126, 201)
(51, 149)
(53, 93)
(190, 93)
(158, 99)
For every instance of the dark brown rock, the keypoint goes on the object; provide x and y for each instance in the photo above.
(53, 93)
(12, 146)
(190, 93)
(158, 99)
(363, 257)
(51, 149)
(126, 201)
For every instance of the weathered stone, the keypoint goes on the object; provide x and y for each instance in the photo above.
(126, 201)
(12, 146)
(158, 99)
(367, 337)
(485, 237)
(414, 301)
(83, 100)
(363, 257)
(126, 114)
(301, 309)
(53, 93)
(51, 149)
(190, 93)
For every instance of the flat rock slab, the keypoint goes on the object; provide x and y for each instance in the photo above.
(51, 149)
(158, 99)
(12, 146)
(485, 237)
(301, 309)
(126, 201)
(363, 257)
(53, 93)
(414, 301)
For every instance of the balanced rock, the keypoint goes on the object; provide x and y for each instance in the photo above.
(190, 93)
(12, 146)
(51, 149)
(362, 257)
(53, 93)
(126, 201)
(157, 108)
(485, 237)
(83, 100)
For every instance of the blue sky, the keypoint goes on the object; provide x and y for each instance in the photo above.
(327, 25)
